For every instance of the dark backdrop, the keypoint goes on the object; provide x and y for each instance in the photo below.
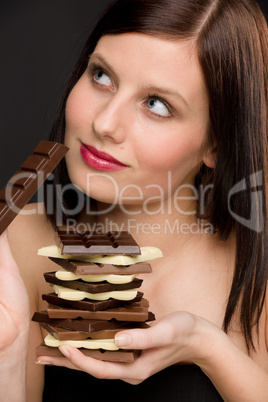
(39, 43)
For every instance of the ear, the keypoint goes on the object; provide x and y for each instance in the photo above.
(210, 158)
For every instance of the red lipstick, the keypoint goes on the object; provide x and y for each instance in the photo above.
(100, 160)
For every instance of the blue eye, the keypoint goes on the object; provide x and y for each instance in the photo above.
(158, 107)
(102, 78)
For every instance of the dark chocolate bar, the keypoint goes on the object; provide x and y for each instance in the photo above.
(77, 324)
(135, 312)
(91, 268)
(91, 305)
(96, 287)
(24, 183)
(94, 243)
(120, 356)
(63, 334)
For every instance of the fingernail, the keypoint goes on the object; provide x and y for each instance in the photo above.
(41, 362)
(64, 351)
(122, 340)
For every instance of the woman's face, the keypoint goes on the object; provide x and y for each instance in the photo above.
(137, 120)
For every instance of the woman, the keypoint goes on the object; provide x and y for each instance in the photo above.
(166, 120)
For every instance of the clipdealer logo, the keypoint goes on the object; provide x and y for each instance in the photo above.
(255, 221)
(254, 184)
(132, 225)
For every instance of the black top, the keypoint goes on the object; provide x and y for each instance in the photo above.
(176, 383)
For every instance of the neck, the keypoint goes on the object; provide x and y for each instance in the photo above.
(162, 226)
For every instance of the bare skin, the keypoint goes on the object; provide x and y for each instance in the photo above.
(211, 267)
(113, 110)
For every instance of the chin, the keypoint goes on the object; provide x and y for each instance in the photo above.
(99, 193)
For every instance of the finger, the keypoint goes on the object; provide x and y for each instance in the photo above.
(55, 361)
(102, 369)
(132, 373)
(159, 335)
(98, 368)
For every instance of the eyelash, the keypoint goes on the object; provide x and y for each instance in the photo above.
(93, 68)
(165, 102)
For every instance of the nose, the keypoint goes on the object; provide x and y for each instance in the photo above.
(111, 119)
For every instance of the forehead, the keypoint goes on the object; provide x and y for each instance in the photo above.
(155, 61)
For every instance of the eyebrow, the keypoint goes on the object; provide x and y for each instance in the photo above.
(107, 65)
(166, 91)
(151, 88)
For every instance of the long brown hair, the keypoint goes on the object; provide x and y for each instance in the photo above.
(231, 38)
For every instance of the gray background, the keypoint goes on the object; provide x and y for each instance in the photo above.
(39, 43)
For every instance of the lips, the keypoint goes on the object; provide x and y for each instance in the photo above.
(100, 160)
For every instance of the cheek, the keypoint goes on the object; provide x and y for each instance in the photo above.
(170, 153)
(80, 108)
(76, 112)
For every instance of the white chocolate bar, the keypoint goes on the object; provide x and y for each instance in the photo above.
(65, 275)
(106, 344)
(72, 294)
(147, 253)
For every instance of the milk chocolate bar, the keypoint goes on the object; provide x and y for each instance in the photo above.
(120, 356)
(63, 334)
(24, 183)
(90, 287)
(91, 268)
(90, 305)
(136, 312)
(94, 243)
(77, 324)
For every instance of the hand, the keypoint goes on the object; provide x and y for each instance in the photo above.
(14, 324)
(14, 304)
(170, 340)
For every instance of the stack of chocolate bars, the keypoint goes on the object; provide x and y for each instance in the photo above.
(95, 293)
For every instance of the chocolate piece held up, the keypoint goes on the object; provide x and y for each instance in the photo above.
(121, 356)
(91, 268)
(24, 183)
(135, 312)
(90, 287)
(90, 305)
(94, 243)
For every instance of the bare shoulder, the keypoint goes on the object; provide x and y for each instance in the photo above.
(32, 220)
(266, 319)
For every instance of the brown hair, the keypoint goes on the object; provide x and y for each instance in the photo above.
(231, 38)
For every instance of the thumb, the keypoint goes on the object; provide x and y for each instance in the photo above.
(147, 338)
(13, 293)
(6, 257)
